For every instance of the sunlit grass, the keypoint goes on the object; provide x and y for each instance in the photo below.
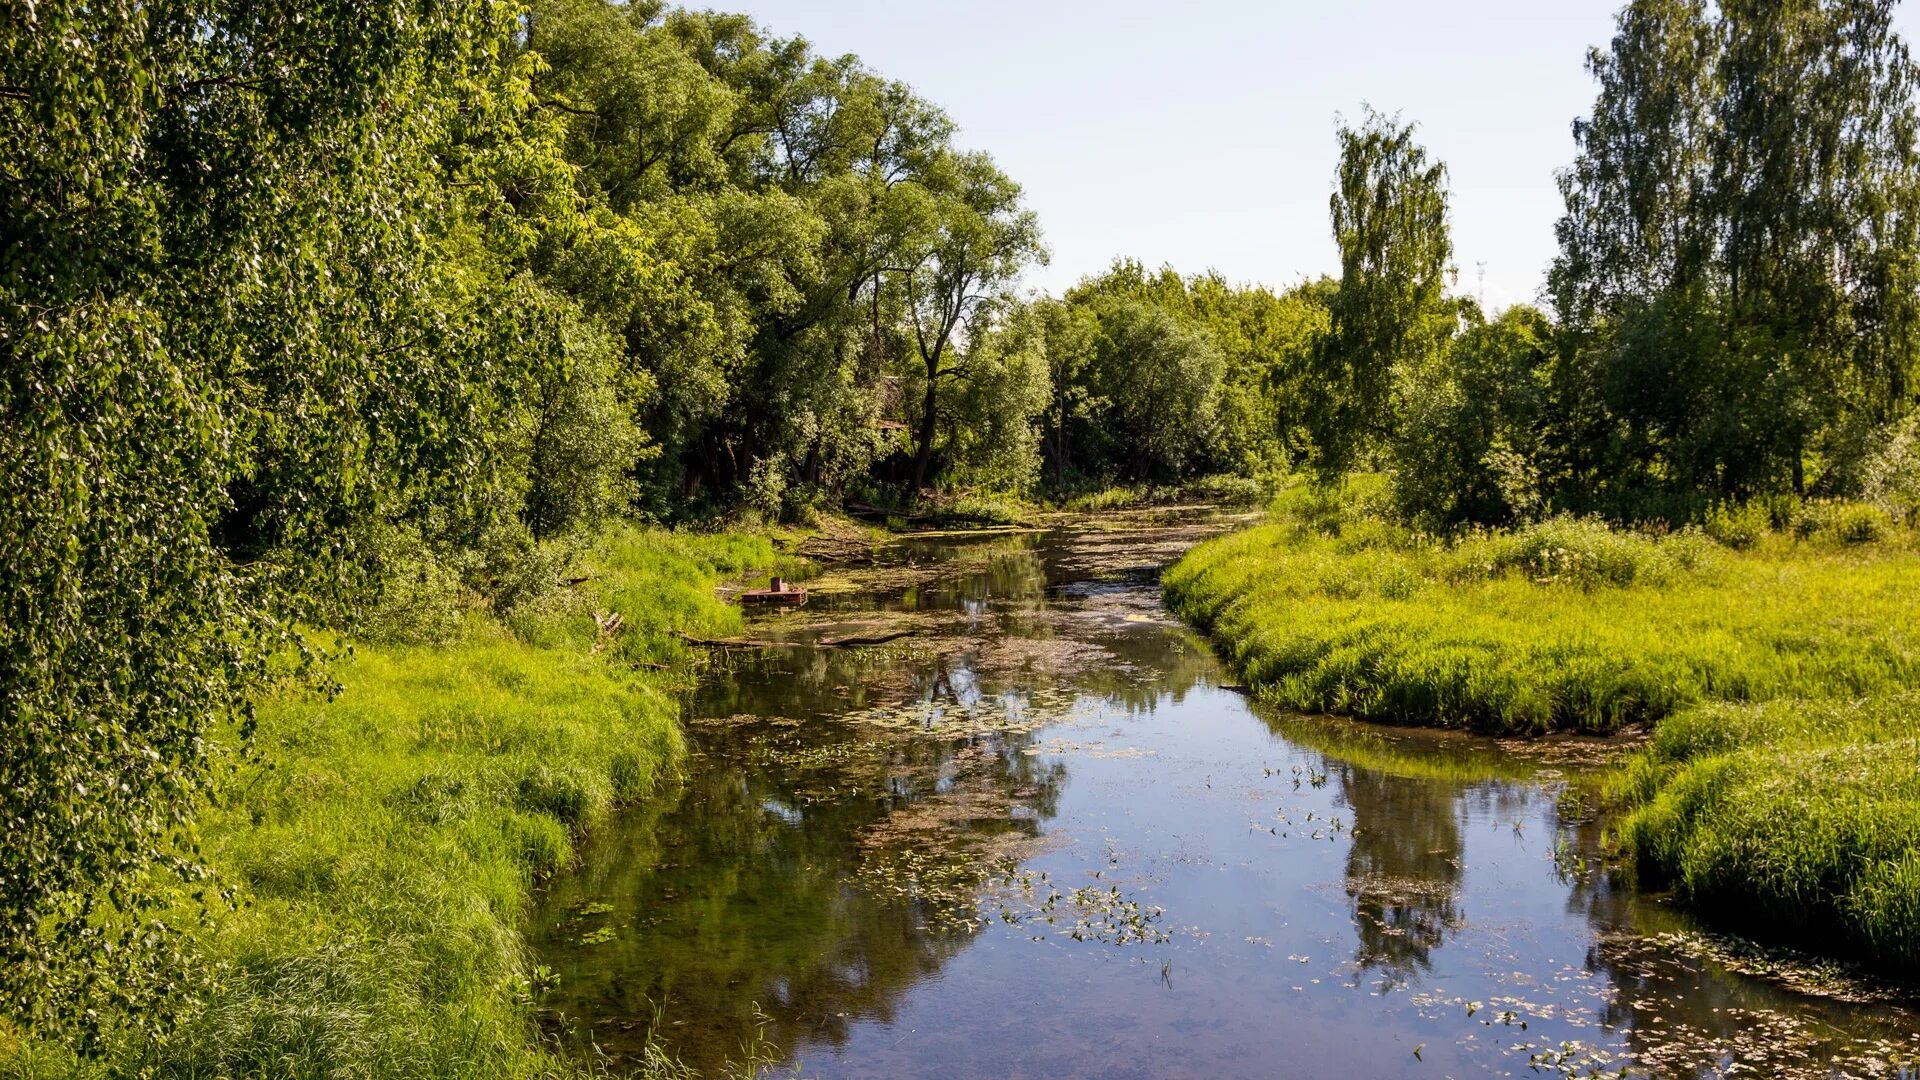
(1569, 626)
(1796, 817)
(384, 845)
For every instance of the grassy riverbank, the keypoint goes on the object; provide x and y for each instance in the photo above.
(384, 845)
(1782, 786)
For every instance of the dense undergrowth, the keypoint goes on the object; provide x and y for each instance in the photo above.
(1773, 650)
(382, 846)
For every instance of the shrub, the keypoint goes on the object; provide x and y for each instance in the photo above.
(1584, 552)
(1890, 478)
(1841, 522)
(1739, 525)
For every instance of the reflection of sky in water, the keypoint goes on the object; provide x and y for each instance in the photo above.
(1313, 912)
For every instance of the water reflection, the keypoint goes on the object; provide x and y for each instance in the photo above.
(1037, 838)
(760, 892)
(1403, 870)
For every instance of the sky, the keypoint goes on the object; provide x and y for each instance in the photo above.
(1201, 134)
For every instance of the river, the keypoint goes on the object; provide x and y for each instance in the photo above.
(1045, 836)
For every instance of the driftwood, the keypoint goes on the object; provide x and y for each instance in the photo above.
(826, 643)
(611, 626)
(833, 549)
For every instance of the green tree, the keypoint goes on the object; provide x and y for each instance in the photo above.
(994, 417)
(239, 317)
(1737, 258)
(1390, 313)
(1155, 385)
(1471, 446)
(968, 239)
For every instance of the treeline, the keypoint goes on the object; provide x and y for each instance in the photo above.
(1734, 303)
(1152, 377)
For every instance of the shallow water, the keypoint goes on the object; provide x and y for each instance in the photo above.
(1044, 837)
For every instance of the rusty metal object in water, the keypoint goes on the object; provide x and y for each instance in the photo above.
(778, 592)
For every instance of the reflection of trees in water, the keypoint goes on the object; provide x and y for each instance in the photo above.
(739, 890)
(1403, 868)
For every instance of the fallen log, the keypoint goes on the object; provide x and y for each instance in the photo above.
(865, 642)
(824, 643)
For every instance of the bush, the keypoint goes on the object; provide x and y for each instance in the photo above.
(1739, 525)
(1890, 478)
(1584, 552)
(1857, 524)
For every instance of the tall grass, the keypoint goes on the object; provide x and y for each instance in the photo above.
(384, 845)
(1791, 817)
(1564, 625)
(1223, 490)
(1776, 652)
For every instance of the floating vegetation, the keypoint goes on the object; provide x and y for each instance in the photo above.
(1796, 971)
(1085, 749)
(1572, 1058)
(1002, 714)
(833, 755)
(1028, 899)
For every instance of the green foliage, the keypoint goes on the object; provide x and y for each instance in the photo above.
(383, 844)
(1389, 318)
(1223, 490)
(966, 242)
(1739, 285)
(1581, 551)
(994, 416)
(1738, 525)
(1156, 383)
(240, 318)
(776, 236)
(1160, 379)
(1735, 292)
(1470, 434)
(1890, 478)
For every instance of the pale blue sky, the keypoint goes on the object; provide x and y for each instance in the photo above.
(1201, 134)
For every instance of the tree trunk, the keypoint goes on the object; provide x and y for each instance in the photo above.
(924, 452)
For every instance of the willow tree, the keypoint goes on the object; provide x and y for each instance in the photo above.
(968, 239)
(1390, 313)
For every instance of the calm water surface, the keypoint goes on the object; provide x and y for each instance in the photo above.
(1043, 837)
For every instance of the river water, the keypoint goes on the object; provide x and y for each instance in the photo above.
(1044, 836)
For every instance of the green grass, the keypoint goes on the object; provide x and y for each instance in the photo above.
(385, 845)
(1775, 655)
(1567, 625)
(1790, 818)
